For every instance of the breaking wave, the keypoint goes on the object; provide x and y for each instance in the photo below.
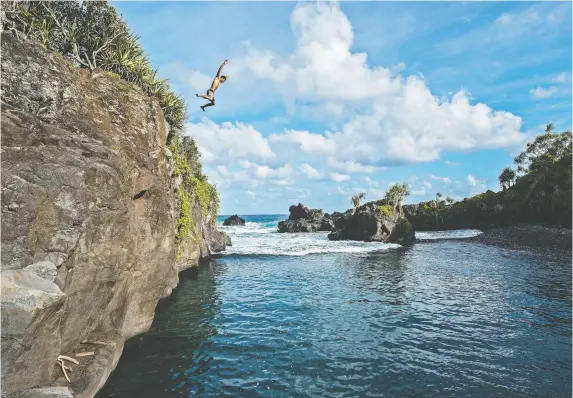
(259, 236)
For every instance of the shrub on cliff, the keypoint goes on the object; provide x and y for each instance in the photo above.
(93, 35)
(194, 186)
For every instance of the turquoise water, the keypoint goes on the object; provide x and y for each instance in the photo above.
(283, 315)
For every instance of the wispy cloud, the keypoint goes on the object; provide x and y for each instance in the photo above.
(563, 77)
(447, 180)
(540, 92)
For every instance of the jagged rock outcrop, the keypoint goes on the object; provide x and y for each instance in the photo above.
(89, 216)
(303, 219)
(234, 220)
(374, 222)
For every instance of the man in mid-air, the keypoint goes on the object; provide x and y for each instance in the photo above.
(211, 92)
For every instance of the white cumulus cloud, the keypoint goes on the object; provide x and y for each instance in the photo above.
(400, 120)
(219, 143)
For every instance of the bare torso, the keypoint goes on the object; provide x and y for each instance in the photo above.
(215, 84)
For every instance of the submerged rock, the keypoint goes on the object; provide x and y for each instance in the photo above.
(234, 220)
(374, 222)
(303, 219)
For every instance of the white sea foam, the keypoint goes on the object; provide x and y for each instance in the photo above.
(248, 228)
(453, 234)
(298, 244)
(263, 239)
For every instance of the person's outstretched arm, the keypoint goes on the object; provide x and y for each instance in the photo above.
(221, 68)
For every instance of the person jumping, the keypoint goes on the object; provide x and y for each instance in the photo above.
(211, 92)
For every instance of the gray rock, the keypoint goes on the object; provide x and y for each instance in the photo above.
(303, 219)
(83, 156)
(45, 392)
(44, 269)
(374, 222)
(234, 220)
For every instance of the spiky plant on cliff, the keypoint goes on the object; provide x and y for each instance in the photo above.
(93, 35)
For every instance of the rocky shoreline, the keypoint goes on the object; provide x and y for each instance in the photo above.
(555, 240)
(366, 224)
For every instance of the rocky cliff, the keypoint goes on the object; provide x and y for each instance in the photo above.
(90, 214)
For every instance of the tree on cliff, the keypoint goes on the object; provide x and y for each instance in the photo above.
(396, 194)
(545, 184)
(507, 178)
(356, 199)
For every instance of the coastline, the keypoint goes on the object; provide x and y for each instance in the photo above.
(554, 240)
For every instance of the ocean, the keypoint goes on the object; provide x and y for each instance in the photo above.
(295, 315)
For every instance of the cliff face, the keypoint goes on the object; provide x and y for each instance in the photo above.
(89, 216)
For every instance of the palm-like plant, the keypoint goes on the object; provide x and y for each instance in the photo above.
(356, 199)
(396, 194)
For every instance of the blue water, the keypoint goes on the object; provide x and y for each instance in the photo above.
(295, 315)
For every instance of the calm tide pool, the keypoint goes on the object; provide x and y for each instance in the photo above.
(299, 316)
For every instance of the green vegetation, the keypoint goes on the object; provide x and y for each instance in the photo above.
(385, 210)
(507, 178)
(185, 221)
(396, 194)
(93, 35)
(541, 191)
(356, 199)
(537, 191)
(205, 193)
(194, 186)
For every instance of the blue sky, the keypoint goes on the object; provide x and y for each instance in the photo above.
(325, 100)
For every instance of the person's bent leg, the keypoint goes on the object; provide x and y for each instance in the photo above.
(212, 103)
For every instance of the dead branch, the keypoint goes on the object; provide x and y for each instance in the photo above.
(63, 357)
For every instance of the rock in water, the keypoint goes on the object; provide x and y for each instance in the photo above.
(374, 222)
(303, 219)
(234, 220)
